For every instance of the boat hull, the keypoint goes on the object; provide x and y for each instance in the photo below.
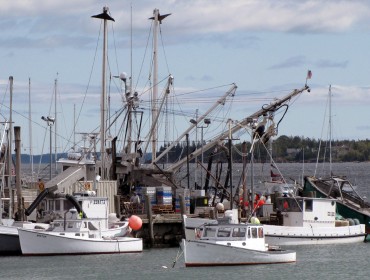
(9, 241)
(44, 243)
(286, 236)
(202, 253)
(345, 210)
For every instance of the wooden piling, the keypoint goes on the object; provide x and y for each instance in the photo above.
(117, 205)
(150, 219)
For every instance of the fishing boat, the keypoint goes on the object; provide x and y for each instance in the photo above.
(75, 235)
(311, 221)
(233, 244)
(349, 203)
(81, 224)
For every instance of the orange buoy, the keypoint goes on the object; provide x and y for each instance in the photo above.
(135, 222)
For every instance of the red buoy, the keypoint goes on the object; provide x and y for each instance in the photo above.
(135, 222)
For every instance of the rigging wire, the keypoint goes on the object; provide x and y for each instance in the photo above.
(87, 87)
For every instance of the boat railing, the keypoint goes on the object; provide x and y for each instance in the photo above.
(356, 200)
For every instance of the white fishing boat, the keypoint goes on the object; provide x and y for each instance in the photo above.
(311, 221)
(233, 244)
(78, 235)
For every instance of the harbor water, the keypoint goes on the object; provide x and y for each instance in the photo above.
(349, 261)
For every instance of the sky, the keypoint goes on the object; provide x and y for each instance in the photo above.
(265, 47)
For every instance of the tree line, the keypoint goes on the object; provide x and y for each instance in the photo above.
(282, 149)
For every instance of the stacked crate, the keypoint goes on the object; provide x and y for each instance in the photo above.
(164, 201)
(164, 195)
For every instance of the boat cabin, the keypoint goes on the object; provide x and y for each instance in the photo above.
(306, 211)
(74, 223)
(57, 207)
(248, 236)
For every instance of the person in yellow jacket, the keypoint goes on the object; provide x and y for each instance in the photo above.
(41, 185)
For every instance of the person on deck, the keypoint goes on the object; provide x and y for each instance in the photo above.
(135, 199)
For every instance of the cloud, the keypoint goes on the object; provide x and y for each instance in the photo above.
(325, 63)
(300, 60)
(192, 19)
(295, 61)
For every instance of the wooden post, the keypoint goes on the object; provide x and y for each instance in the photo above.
(182, 213)
(17, 138)
(150, 219)
(117, 205)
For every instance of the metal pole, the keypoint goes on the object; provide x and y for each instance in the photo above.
(196, 147)
(230, 168)
(201, 170)
(30, 127)
(245, 194)
(10, 175)
(105, 17)
(55, 124)
(50, 150)
(155, 86)
(187, 155)
(251, 202)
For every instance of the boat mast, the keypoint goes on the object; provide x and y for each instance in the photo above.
(103, 108)
(155, 86)
(230, 166)
(55, 123)
(10, 140)
(74, 127)
(330, 125)
(30, 126)
(3, 166)
(157, 21)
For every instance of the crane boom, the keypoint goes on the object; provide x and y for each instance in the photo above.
(271, 107)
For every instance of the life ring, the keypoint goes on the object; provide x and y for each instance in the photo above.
(87, 186)
(197, 233)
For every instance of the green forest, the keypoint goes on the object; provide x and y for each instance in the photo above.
(283, 149)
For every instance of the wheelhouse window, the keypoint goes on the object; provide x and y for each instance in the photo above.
(254, 232)
(260, 232)
(224, 232)
(51, 205)
(209, 232)
(57, 205)
(308, 205)
(239, 232)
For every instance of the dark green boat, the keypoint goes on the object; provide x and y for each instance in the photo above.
(349, 203)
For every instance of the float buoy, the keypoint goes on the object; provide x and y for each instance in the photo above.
(220, 207)
(135, 222)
